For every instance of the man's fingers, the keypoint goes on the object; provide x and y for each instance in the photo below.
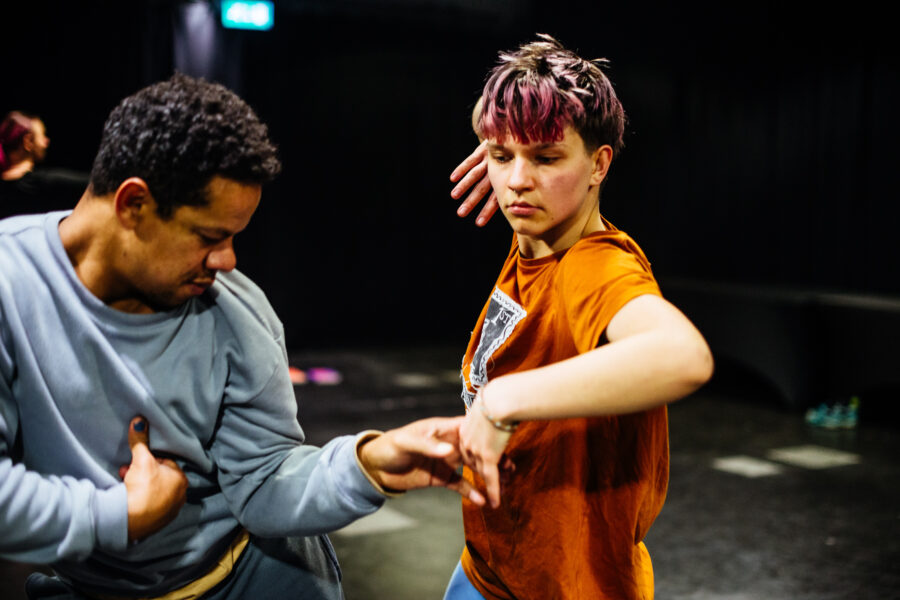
(451, 478)
(437, 437)
(470, 161)
(138, 432)
(423, 442)
(443, 428)
(488, 210)
(482, 189)
(138, 440)
(467, 490)
(168, 462)
(478, 174)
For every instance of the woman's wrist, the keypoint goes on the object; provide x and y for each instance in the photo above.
(500, 424)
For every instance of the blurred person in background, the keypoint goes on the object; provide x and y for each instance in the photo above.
(24, 187)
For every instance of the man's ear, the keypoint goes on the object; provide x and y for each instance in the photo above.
(601, 158)
(132, 201)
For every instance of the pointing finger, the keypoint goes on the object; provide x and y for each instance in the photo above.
(138, 432)
(138, 440)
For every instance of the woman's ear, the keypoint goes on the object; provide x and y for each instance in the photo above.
(601, 158)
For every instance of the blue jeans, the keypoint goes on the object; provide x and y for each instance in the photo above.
(460, 588)
(297, 568)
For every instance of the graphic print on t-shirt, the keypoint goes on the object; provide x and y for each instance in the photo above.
(503, 314)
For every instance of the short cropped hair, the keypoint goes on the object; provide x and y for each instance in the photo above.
(177, 135)
(535, 92)
(13, 128)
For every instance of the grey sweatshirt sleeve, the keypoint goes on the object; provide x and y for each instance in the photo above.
(44, 519)
(275, 484)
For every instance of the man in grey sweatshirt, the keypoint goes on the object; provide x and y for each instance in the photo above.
(127, 314)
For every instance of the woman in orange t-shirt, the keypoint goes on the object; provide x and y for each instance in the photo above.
(574, 356)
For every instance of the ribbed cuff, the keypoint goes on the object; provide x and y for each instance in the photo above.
(110, 508)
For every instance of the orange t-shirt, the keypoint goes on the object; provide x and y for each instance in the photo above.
(584, 491)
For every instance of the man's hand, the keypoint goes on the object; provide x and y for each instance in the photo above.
(474, 167)
(156, 487)
(421, 454)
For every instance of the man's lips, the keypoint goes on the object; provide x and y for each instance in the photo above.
(198, 286)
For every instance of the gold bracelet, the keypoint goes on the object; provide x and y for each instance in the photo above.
(507, 426)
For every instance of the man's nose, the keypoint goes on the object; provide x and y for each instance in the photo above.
(222, 257)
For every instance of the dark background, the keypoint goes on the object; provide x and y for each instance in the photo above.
(761, 147)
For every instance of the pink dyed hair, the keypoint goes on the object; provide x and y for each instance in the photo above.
(538, 90)
(12, 131)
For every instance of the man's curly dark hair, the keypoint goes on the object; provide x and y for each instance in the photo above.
(176, 135)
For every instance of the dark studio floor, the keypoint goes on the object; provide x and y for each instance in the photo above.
(760, 505)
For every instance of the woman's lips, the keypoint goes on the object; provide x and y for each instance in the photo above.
(521, 209)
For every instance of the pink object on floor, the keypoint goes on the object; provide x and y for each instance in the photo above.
(324, 376)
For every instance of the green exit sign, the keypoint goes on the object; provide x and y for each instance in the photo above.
(248, 15)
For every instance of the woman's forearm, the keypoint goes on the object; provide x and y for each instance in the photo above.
(635, 373)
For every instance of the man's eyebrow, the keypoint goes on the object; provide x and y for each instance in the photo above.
(495, 146)
(214, 231)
